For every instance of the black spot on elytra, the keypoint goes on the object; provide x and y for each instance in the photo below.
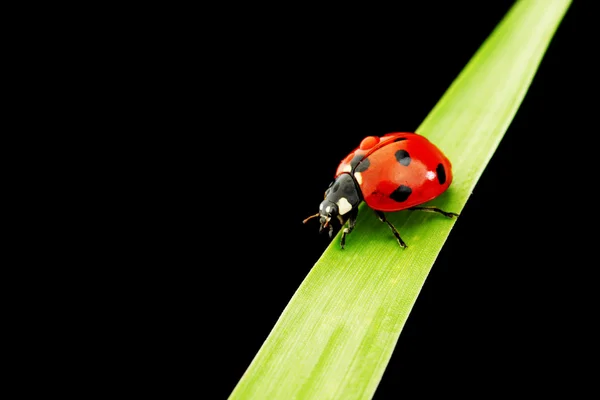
(403, 157)
(399, 139)
(364, 164)
(401, 193)
(356, 160)
(441, 174)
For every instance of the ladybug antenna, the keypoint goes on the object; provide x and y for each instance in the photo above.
(312, 216)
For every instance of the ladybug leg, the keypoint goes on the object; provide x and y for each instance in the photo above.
(351, 224)
(435, 209)
(382, 218)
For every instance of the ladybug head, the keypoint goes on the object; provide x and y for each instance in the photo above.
(328, 211)
(341, 198)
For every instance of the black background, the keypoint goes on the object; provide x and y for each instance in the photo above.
(276, 100)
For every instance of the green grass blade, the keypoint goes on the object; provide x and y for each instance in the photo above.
(337, 334)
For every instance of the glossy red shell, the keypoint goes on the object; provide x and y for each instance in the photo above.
(398, 170)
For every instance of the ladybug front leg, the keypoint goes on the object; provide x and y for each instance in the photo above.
(435, 209)
(382, 218)
(351, 223)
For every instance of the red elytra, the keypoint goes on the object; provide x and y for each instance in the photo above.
(403, 160)
(397, 171)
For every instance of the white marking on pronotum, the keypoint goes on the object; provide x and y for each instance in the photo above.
(358, 177)
(321, 207)
(430, 175)
(347, 168)
(327, 209)
(343, 206)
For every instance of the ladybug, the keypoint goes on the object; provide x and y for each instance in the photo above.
(397, 171)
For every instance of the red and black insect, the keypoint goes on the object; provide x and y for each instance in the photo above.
(397, 171)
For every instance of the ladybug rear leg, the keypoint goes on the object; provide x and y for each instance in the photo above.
(382, 218)
(435, 209)
(351, 224)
